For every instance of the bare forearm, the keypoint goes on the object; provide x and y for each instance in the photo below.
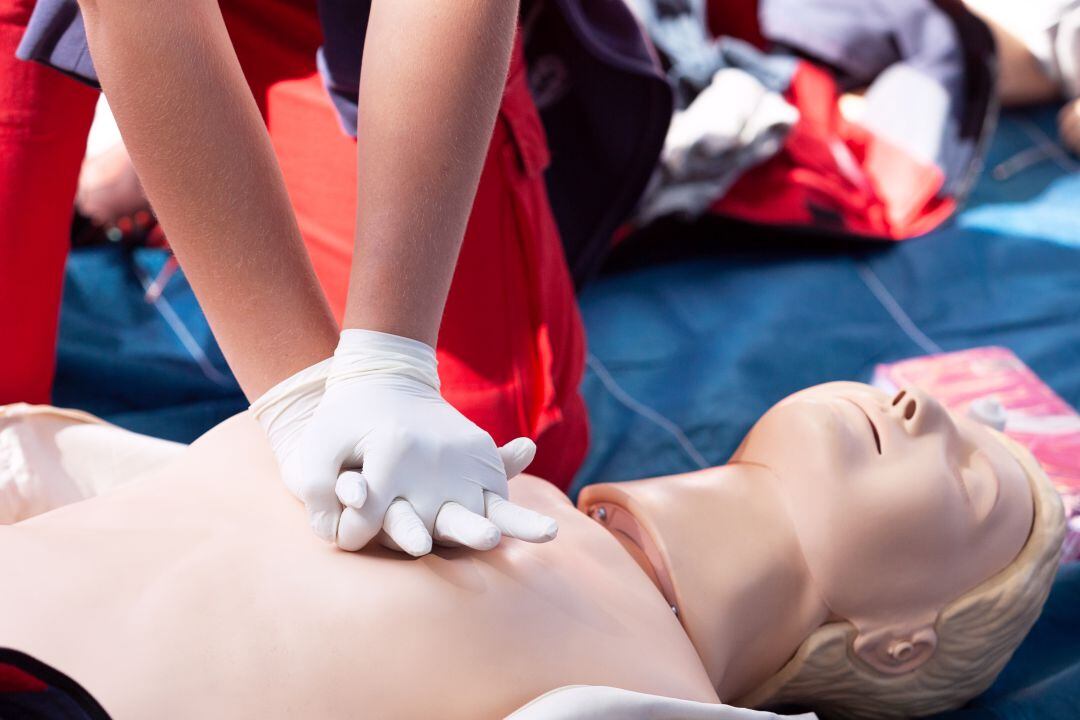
(199, 145)
(433, 75)
(1021, 77)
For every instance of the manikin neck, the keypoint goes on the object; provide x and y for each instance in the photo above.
(720, 547)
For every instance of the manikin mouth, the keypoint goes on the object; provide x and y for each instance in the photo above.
(621, 523)
(873, 427)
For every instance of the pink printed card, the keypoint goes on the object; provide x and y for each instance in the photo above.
(1035, 416)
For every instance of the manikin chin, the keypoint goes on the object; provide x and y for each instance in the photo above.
(883, 557)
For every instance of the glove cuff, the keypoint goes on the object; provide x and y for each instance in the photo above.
(364, 353)
(284, 409)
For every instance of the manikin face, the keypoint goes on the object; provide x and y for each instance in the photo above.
(899, 507)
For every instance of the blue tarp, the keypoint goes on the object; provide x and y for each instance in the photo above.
(152, 367)
(684, 356)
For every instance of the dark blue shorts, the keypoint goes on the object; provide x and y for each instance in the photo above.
(31, 690)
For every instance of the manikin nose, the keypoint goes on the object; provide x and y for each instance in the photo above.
(912, 408)
(905, 404)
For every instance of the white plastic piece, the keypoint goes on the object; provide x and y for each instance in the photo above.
(988, 411)
(43, 453)
(584, 702)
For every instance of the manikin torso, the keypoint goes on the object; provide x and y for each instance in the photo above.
(200, 592)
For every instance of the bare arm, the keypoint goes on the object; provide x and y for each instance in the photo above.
(433, 75)
(1021, 79)
(205, 160)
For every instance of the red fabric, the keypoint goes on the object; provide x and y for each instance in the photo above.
(44, 119)
(511, 345)
(832, 174)
(14, 680)
(737, 18)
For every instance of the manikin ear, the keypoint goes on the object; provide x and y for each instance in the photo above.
(896, 650)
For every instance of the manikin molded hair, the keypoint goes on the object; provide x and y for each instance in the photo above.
(977, 634)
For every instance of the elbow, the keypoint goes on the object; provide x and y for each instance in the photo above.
(90, 8)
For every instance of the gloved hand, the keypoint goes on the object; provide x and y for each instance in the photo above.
(382, 442)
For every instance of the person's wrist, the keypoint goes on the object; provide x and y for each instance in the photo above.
(285, 408)
(367, 353)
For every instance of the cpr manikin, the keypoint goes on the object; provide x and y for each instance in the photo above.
(860, 555)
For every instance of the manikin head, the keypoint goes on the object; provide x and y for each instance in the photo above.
(929, 543)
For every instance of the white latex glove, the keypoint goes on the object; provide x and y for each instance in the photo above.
(383, 451)
(284, 411)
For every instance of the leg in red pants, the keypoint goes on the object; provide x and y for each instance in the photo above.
(44, 120)
(511, 346)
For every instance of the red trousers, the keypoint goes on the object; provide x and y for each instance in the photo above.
(511, 344)
(44, 119)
